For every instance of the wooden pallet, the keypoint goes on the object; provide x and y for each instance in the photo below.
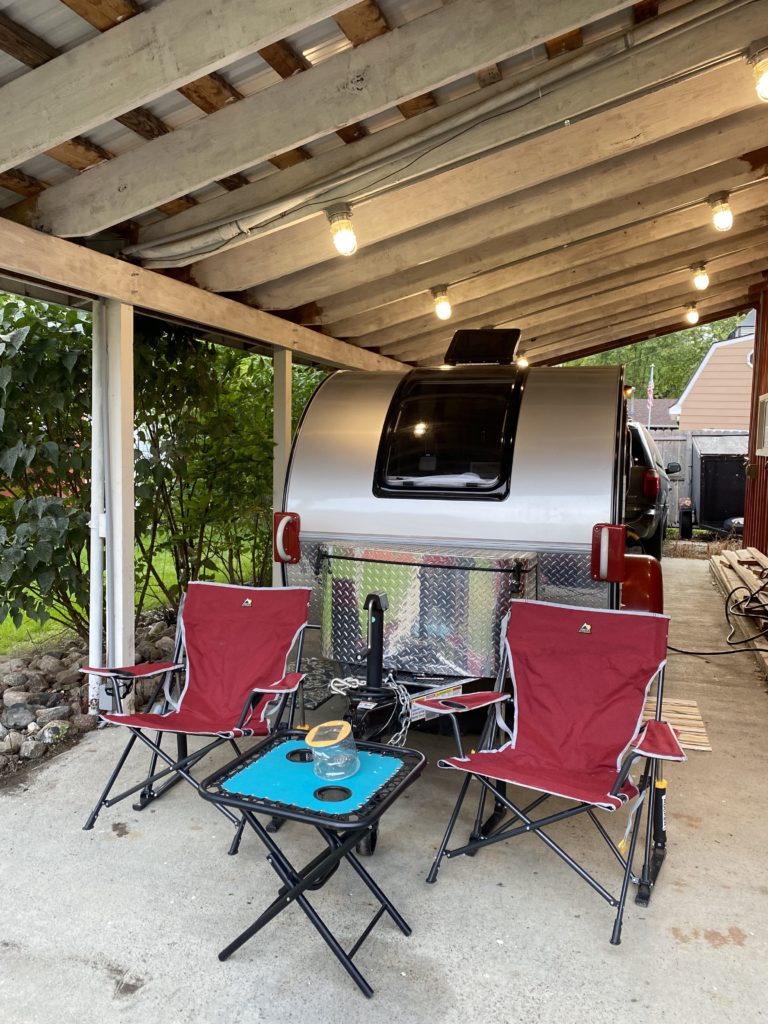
(683, 715)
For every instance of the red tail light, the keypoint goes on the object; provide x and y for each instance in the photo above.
(287, 547)
(651, 484)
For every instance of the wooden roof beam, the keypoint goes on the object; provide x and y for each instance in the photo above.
(130, 66)
(34, 256)
(586, 287)
(210, 92)
(537, 154)
(340, 90)
(615, 324)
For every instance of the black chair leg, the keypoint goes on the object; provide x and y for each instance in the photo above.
(110, 783)
(616, 934)
(432, 876)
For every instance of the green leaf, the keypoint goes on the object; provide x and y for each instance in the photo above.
(50, 451)
(10, 457)
(45, 580)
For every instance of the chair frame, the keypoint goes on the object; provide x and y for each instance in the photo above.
(499, 826)
(178, 768)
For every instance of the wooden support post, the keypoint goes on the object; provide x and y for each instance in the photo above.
(281, 433)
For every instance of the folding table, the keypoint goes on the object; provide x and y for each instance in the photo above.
(276, 779)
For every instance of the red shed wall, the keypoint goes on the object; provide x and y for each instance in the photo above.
(756, 499)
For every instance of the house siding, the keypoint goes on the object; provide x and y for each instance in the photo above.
(756, 498)
(720, 398)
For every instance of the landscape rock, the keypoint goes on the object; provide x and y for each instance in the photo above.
(18, 716)
(157, 629)
(76, 659)
(15, 678)
(54, 732)
(12, 665)
(12, 743)
(145, 651)
(165, 646)
(32, 749)
(3, 732)
(52, 714)
(33, 727)
(5, 761)
(50, 665)
(36, 682)
(15, 697)
(84, 723)
(53, 698)
(68, 678)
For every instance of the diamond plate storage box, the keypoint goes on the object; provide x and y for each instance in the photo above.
(445, 604)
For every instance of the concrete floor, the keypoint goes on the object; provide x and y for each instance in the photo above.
(123, 923)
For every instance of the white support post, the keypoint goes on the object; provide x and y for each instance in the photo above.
(98, 517)
(281, 433)
(119, 483)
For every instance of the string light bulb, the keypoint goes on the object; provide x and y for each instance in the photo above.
(700, 277)
(443, 309)
(758, 58)
(722, 215)
(692, 314)
(521, 363)
(342, 232)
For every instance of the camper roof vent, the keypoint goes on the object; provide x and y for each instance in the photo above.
(486, 345)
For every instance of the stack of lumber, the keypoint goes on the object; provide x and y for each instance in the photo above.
(746, 568)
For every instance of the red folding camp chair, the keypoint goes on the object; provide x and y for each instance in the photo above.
(232, 652)
(580, 678)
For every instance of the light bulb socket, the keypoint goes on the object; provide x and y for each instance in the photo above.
(340, 211)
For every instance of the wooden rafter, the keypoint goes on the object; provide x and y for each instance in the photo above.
(33, 255)
(303, 107)
(103, 14)
(360, 24)
(128, 66)
(564, 43)
(23, 45)
(211, 92)
(78, 153)
(21, 183)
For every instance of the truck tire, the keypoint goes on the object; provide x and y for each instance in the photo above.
(654, 545)
(686, 523)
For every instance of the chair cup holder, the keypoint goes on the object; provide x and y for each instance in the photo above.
(300, 755)
(332, 794)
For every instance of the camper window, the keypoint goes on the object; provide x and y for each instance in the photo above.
(447, 437)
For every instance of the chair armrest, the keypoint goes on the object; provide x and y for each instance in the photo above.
(460, 702)
(127, 672)
(659, 740)
(285, 685)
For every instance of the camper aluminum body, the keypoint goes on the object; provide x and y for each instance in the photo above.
(454, 490)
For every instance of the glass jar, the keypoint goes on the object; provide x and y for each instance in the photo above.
(334, 754)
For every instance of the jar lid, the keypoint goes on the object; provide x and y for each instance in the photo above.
(328, 733)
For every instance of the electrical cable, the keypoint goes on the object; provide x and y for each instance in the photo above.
(738, 609)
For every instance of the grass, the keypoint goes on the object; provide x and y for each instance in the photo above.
(31, 634)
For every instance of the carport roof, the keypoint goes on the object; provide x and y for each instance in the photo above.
(550, 164)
